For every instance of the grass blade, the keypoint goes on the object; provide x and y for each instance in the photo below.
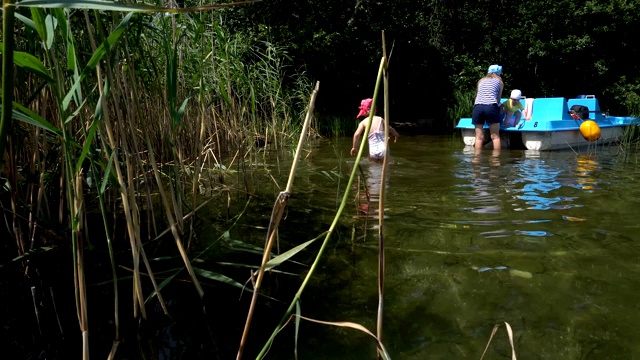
(290, 253)
(27, 254)
(29, 117)
(212, 275)
(29, 63)
(28, 22)
(347, 324)
(297, 323)
(100, 52)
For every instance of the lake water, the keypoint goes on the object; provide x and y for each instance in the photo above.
(546, 241)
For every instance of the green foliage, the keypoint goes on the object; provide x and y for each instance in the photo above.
(96, 87)
(462, 106)
(440, 47)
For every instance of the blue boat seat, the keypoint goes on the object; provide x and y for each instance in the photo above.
(550, 108)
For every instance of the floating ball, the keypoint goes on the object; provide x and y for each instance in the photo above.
(590, 130)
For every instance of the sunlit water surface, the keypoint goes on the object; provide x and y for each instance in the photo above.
(546, 241)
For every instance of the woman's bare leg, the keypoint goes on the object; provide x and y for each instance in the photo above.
(479, 136)
(494, 129)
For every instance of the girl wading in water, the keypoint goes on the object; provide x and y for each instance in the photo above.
(376, 133)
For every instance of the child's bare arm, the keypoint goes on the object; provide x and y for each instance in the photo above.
(394, 133)
(356, 136)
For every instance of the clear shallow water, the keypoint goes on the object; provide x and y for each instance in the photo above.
(548, 242)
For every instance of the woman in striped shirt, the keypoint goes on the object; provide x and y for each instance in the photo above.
(485, 108)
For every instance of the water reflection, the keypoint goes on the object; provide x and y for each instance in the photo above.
(587, 166)
(369, 195)
(538, 180)
(562, 269)
(485, 181)
(530, 182)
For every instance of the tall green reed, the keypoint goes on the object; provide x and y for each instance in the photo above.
(462, 106)
(631, 137)
(95, 123)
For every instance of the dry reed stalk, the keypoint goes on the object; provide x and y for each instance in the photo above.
(8, 19)
(509, 334)
(274, 222)
(198, 145)
(35, 308)
(332, 227)
(35, 159)
(78, 209)
(172, 222)
(133, 102)
(381, 200)
(138, 303)
(12, 177)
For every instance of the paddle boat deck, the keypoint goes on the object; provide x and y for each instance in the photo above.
(548, 124)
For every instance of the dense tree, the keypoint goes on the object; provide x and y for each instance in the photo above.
(547, 48)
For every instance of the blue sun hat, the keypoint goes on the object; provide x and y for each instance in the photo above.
(495, 69)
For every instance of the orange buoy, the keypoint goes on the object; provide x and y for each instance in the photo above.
(590, 130)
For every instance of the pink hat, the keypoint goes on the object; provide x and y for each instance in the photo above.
(365, 107)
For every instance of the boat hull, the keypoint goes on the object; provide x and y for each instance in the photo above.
(556, 140)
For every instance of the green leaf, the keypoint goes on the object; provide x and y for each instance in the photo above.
(164, 283)
(28, 254)
(99, 111)
(61, 15)
(87, 145)
(75, 113)
(180, 112)
(239, 245)
(107, 172)
(37, 15)
(100, 52)
(288, 254)
(254, 267)
(211, 275)
(295, 346)
(31, 118)
(30, 63)
(28, 22)
(50, 25)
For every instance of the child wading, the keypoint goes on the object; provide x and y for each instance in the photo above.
(376, 133)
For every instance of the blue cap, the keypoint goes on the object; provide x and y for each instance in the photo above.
(495, 69)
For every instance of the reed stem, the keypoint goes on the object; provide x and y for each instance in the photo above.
(276, 216)
(8, 19)
(345, 198)
(381, 200)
